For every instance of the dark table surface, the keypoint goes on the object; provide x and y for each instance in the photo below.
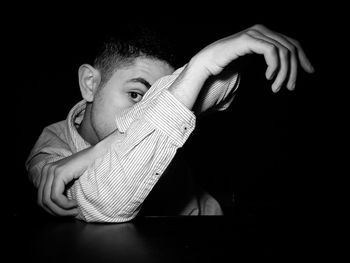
(261, 233)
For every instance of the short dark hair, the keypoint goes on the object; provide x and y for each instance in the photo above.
(129, 42)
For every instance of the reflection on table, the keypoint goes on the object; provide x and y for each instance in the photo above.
(154, 239)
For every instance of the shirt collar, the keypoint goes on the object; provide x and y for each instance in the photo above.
(74, 120)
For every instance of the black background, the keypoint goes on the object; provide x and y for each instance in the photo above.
(272, 150)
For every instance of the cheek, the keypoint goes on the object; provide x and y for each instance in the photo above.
(101, 119)
(105, 108)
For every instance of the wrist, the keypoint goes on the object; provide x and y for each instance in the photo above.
(188, 84)
(102, 146)
(197, 70)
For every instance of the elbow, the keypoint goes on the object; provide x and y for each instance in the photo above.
(100, 210)
(101, 216)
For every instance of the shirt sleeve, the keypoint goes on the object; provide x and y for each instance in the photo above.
(218, 92)
(50, 147)
(113, 188)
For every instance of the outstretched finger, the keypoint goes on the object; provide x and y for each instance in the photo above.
(263, 47)
(293, 73)
(290, 43)
(303, 59)
(283, 52)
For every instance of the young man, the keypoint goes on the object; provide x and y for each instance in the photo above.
(102, 163)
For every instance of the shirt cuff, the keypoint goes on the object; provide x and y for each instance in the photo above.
(227, 97)
(171, 117)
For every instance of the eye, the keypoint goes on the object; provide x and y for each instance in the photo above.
(135, 96)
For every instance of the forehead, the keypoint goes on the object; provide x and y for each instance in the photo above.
(148, 68)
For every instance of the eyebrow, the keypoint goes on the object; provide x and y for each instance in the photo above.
(140, 80)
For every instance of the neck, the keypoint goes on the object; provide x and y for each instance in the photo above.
(86, 129)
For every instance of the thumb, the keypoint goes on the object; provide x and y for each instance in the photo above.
(57, 194)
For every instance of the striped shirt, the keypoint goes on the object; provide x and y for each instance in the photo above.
(118, 184)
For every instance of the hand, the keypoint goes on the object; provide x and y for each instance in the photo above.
(56, 176)
(54, 179)
(282, 55)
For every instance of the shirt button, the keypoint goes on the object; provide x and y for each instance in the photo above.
(184, 128)
(156, 173)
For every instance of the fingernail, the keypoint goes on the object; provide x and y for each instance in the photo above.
(275, 88)
(268, 75)
(292, 86)
(311, 68)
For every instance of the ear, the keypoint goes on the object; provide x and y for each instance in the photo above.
(89, 80)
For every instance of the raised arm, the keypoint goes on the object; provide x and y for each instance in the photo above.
(282, 55)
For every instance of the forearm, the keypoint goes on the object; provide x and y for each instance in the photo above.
(200, 93)
(116, 184)
(146, 143)
(113, 188)
(188, 84)
(37, 163)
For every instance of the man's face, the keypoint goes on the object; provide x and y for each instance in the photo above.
(124, 89)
